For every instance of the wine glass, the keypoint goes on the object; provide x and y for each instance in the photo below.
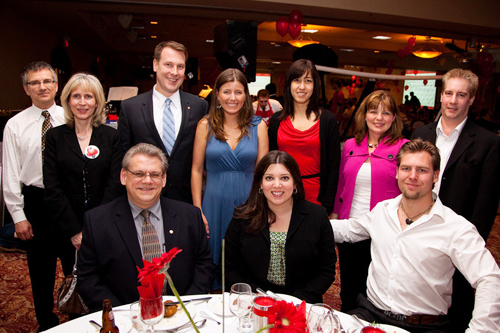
(151, 311)
(321, 319)
(241, 303)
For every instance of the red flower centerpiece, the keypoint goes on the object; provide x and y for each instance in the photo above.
(287, 318)
(152, 277)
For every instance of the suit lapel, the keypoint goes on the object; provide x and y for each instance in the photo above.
(298, 215)
(149, 121)
(465, 139)
(171, 227)
(125, 225)
(72, 142)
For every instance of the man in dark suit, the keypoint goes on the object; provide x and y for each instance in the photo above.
(470, 181)
(112, 243)
(145, 118)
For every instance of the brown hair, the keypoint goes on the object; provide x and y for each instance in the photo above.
(216, 112)
(173, 45)
(262, 93)
(256, 209)
(296, 70)
(418, 145)
(463, 74)
(147, 150)
(372, 102)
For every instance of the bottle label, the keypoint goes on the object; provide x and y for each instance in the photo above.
(111, 315)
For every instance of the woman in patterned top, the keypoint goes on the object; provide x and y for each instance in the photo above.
(277, 240)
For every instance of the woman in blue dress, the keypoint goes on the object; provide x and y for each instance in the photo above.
(229, 143)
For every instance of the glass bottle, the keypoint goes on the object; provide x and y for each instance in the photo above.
(108, 318)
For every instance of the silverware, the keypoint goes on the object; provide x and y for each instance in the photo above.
(193, 299)
(358, 320)
(187, 326)
(259, 290)
(95, 324)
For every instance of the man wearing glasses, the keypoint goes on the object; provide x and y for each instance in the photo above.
(141, 225)
(23, 190)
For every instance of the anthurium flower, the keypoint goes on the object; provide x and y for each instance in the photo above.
(287, 318)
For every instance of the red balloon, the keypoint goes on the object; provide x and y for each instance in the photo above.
(488, 59)
(353, 78)
(407, 50)
(401, 53)
(425, 82)
(282, 26)
(295, 18)
(411, 41)
(294, 31)
(358, 81)
(398, 89)
(406, 87)
(388, 71)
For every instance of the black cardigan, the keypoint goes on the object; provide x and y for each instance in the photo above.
(309, 254)
(329, 155)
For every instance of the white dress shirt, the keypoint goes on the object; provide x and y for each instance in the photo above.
(446, 143)
(22, 155)
(411, 271)
(272, 104)
(159, 102)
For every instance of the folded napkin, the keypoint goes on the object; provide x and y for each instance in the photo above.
(151, 286)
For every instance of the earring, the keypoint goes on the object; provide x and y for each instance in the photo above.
(295, 191)
(219, 106)
(261, 190)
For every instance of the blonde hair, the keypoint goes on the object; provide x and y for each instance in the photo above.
(86, 82)
(463, 74)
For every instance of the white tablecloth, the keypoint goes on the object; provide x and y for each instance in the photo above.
(82, 325)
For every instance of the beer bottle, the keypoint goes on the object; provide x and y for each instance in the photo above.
(108, 319)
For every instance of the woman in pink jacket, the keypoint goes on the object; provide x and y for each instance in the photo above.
(367, 176)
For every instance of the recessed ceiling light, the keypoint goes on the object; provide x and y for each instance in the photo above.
(209, 41)
(276, 62)
(310, 31)
(382, 37)
(347, 50)
(154, 37)
(376, 51)
(153, 22)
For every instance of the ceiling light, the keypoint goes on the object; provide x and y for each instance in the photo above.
(382, 37)
(376, 51)
(427, 52)
(209, 41)
(310, 31)
(301, 42)
(154, 37)
(347, 50)
(153, 22)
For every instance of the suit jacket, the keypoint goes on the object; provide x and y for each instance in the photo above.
(471, 180)
(384, 184)
(136, 125)
(71, 178)
(110, 252)
(309, 254)
(329, 155)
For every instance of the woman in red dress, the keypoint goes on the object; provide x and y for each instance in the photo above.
(308, 133)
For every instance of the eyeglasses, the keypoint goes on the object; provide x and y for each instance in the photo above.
(37, 84)
(143, 175)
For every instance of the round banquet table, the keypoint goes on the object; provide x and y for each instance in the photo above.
(82, 325)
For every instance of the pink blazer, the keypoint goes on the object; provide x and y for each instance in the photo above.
(384, 184)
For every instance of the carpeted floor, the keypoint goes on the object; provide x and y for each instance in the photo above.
(16, 303)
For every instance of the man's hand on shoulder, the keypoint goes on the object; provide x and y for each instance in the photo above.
(24, 230)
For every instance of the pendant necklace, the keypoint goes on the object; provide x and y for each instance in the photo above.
(409, 220)
(373, 145)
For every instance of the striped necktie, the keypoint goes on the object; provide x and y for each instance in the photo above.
(150, 243)
(168, 137)
(45, 127)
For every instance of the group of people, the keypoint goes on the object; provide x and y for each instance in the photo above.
(181, 173)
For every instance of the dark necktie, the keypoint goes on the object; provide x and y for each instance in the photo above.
(45, 127)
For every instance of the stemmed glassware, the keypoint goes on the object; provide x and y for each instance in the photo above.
(151, 311)
(321, 319)
(241, 303)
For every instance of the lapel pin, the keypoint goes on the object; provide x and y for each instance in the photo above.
(92, 152)
(171, 231)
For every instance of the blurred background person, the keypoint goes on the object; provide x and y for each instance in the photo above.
(229, 143)
(82, 163)
(277, 240)
(265, 107)
(308, 133)
(367, 176)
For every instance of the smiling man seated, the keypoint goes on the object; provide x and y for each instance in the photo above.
(115, 241)
(417, 243)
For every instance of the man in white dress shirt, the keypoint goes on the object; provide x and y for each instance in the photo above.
(23, 188)
(417, 243)
(264, 106)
